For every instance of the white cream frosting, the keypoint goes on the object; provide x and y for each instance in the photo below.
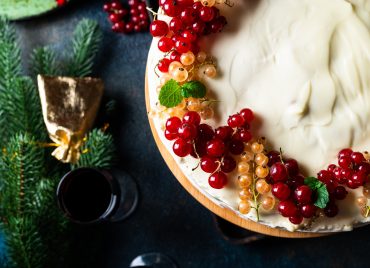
(304, 68)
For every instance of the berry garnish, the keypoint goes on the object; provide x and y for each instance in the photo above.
(218, 180)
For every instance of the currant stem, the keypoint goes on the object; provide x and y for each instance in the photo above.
(255, 195)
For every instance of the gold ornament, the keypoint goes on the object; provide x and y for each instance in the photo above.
(69, 107)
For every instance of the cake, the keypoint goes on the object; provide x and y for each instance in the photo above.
(303, 68)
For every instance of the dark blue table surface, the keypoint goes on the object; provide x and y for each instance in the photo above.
(168, 219)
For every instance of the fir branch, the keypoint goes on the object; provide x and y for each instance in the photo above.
(21, 108)
(21, 167)
(98, 151)
(86, 41)
(10, 55)
(43, 61)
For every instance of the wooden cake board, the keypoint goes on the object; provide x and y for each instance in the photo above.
(224, 213)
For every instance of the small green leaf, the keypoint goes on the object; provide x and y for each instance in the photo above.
(193, 89)
(170, 94)
(320, 188)
(322, 196)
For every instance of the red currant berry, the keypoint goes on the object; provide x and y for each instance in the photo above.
(331, 210)
(169, 135)
(340, 193)
(288, 209)
(165, 44)
(345, 152)
(296, 219)
(185, 3)
(187, 131)
(224, 133)
(216, 25)
(295, 181)
(292, 166)
(247, 114)
(236, 147)
(274, 157)
(134, 11)
(171, 9)
(197, 6)
(129, 27)
(215, 147)
(216, 11)
(344, 175)
(114, 17)
(228, 164)
(235, 120)
(135, 20)
(199, 27)
(163, 65)
(172, 124)
(205, 132)
(115, 5)
(181, 147)
(308, 211)
(133, 3)
(281, 191)
(144, 16)
(118, 27)
(182, 45)
(176, 25)
(201, 147)
(175, 56)
(107, 7)
(345, 162)
(331, 168)
(158, 28)
(278, 172)
(141, 6)
(242, 135)
(191, 117)
(364, 168)
(357, 158)
(218, 180)
(190, 36)
(358, 179)
(188, 15)
(206, 14)
(325, 176)
(303, 194)
(208, 164)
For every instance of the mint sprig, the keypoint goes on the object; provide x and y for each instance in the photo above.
(322, 192)
(172, 93)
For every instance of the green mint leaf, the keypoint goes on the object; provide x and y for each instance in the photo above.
(320, 188)
(170, 94)
(322, 197)
(312, 182)
(193, 89)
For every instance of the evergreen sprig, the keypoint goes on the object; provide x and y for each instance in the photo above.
(85, 45)
(34, 227)
(98, 150)
(44, 61)
(10, 55)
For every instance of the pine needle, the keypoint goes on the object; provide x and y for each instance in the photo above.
(85, 45)
(43, 61)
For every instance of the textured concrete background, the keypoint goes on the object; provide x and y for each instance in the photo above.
(168, 219)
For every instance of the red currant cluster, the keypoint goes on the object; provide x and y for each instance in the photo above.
(215, 148)
(352, 171)
(296, 199)
(128, 20)
(190, 20)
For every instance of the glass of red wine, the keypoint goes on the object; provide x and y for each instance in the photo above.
(89, 195)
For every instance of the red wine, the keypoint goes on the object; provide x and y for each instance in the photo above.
(86, 195)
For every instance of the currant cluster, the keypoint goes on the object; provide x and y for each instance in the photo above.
(128, 20)
(296, 200)
(216, 149)
(179, 38)
(252, 174)
(353, 171)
